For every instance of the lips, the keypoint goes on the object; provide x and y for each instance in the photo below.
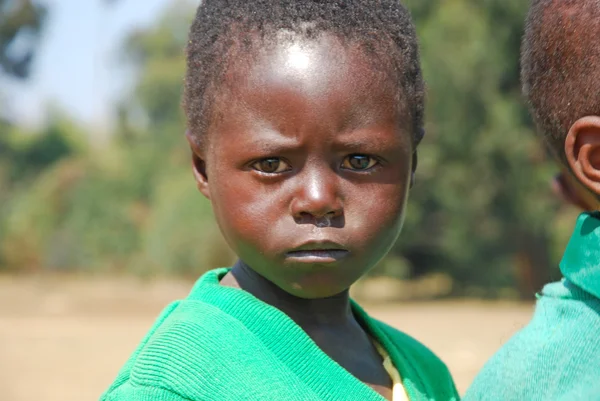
(318, 252)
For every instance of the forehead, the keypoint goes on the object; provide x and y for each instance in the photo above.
(309, 63)
(323, 74)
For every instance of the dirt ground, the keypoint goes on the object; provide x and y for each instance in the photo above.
(64, 339)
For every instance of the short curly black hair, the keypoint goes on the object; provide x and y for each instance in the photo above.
(560, 66)
(383, 26)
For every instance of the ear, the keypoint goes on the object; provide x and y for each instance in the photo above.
(413, 169)
(582, 150)
(198, 165)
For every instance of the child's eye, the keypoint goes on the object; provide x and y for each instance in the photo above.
(359, 162)
(271, 165)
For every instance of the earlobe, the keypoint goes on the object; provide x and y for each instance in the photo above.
(582, 150)
(198, 166)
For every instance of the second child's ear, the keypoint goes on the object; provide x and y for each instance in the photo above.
(582, 149)
(198, 165)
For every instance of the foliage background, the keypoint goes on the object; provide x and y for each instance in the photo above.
(481, 213)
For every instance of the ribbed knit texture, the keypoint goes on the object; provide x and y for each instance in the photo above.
(222, 343)
(556, 356)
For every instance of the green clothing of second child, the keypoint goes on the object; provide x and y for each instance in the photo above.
(557, 356)
(222, 343)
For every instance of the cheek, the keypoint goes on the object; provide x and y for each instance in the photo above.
(379, 212)
(245, 211)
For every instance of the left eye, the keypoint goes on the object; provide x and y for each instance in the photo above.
(271, 165)
(359, 162)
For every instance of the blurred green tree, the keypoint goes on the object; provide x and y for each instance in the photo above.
(482, 207)
(131, 205)
(180, 233)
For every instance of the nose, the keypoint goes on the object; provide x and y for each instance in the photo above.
(317, 200)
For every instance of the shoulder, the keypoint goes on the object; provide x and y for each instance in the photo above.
(559, 345)
(183, 351)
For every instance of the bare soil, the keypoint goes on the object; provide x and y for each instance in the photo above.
(64, 338)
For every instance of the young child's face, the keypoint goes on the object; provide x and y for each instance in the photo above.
(308, 164)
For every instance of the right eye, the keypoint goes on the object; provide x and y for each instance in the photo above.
(271, 165)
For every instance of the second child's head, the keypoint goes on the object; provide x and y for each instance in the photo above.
(561, 80)
(303, 119)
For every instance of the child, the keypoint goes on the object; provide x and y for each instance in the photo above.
(304, 117)
(557, 356)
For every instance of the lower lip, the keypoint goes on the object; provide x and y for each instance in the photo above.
(317, 256)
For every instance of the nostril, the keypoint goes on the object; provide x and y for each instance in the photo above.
(304, 218)
(324, 221)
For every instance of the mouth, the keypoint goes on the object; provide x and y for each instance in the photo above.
(317, 252)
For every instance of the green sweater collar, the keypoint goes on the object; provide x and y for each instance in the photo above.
(307, 357)
(581, 261)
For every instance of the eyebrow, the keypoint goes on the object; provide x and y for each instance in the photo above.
(351, 140)
(269, 140)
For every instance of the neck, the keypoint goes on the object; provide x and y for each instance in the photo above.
(333, 311)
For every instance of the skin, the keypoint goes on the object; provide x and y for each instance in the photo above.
(308, 163)
(580, 184)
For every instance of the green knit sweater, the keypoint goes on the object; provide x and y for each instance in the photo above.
(556, 357)
(222, 343)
